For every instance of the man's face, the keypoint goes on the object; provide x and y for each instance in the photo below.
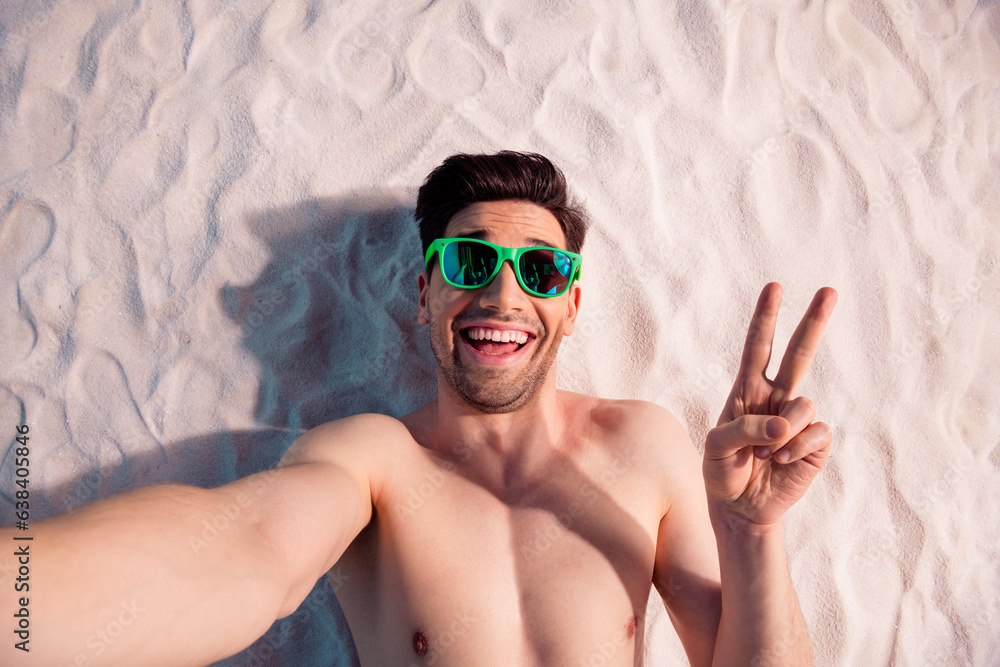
(496, 376)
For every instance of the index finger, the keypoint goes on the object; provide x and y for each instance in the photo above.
(804, 343)
(757, 348)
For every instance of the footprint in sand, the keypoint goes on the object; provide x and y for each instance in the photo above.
(447, 69)
(25, 235)
(42, 134)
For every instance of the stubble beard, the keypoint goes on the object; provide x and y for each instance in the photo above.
(486, 389)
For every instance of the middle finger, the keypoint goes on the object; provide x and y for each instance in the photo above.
(804, 343)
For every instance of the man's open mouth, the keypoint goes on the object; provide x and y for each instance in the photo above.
(496, 342)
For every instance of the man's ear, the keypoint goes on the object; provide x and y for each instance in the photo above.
(423, 284)
(572, 308)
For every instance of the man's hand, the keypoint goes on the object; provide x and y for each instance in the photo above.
(765, 451)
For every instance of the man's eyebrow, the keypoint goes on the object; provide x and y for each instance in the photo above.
(533, 241)
(536, 241)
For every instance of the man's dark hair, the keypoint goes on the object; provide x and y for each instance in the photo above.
(464, 179)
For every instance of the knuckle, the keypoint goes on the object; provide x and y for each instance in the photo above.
(751, 428)
(714, 436)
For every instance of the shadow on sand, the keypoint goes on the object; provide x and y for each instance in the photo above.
(331, 323)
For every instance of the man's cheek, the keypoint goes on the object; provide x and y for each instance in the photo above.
(441, 302)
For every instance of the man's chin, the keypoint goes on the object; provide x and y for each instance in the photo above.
(490, 409)
(492, 398)
(496, 388)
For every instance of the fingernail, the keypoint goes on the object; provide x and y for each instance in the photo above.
(762, 452)
(783, 456)
(774, 428)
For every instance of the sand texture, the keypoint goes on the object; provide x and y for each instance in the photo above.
(207, 245)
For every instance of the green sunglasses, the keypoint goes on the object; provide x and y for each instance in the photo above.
(472, 263)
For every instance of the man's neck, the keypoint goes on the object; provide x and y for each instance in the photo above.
(506, 448)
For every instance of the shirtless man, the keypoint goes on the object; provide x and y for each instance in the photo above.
(505, 523)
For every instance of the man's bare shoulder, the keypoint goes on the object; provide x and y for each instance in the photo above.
(366, 446)
(361, 437)
(641, 421)
(644, 433)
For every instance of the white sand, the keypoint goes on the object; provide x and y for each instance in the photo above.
(190, 200)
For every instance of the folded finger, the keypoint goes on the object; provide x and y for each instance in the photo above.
(813, 442)
(799, 413)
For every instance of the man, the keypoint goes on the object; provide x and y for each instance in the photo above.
(505, 523)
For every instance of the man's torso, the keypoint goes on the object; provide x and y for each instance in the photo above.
(550, 568)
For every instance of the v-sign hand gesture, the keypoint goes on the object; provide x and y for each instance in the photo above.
(765, 451)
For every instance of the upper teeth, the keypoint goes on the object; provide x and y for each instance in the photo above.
(481, 333)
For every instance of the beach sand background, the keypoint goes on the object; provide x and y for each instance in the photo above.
(207, 245)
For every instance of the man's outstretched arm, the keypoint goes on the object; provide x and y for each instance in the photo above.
(178, 575)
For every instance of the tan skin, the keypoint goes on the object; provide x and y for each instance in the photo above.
(529, 534)
(533, 536)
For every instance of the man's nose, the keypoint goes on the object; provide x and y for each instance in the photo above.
(504, 293)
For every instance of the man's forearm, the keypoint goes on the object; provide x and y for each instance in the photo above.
(166, 575)
(761, 622)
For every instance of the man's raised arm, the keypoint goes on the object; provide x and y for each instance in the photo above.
(759, 460)
(178, 575)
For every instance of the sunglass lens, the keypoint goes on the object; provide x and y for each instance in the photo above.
(468, 263)
(545, 271)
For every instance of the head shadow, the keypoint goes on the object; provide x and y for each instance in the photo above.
(332, 322)
(332, 317)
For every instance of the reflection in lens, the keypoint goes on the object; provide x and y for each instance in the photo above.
(545, 271)
(468, 264)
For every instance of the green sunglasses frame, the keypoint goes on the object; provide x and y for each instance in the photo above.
(504, 254)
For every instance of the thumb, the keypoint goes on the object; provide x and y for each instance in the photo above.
(746, 431)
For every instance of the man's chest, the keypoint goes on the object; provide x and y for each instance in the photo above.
(556, 574)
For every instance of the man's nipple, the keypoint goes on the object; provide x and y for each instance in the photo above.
(419, 643)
